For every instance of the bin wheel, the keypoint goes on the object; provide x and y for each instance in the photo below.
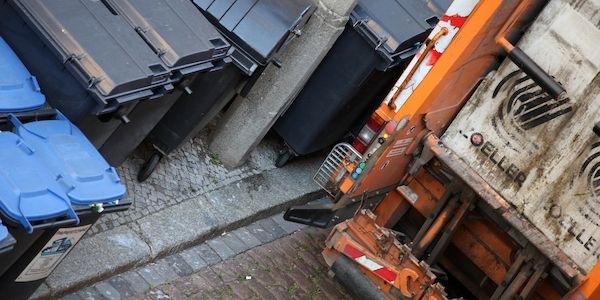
(283, 158)
(149, 166)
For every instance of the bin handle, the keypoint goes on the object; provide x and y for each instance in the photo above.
(18, 124)
(429, 44)
(29, 228)
(35, 83)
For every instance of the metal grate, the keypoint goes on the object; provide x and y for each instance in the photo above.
(333, 169)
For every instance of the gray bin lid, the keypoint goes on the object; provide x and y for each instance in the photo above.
(257, 27)
(394, 27)
(98, 46)
(177, 32)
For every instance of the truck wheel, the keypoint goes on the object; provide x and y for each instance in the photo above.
(149, 166)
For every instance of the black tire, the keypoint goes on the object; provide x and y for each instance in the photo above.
(283, 158)
(149, 166)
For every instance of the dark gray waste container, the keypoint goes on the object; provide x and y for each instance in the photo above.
(187, 43)
(258, 29)
(83, 77)
(80, 75)
(356, 74)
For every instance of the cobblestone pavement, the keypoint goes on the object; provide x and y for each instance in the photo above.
(188, 172)
(269, 259)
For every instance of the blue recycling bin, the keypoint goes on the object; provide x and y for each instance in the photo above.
(19, 90)
(54, 184)
(87, 178)
(77, 175)
(31, 201)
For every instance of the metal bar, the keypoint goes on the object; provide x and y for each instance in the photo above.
(433, 216)
(508, 277)
(440, 222)
(503, 209)
(396, 90)
(453, 225)
(534, 281)
(516, 284)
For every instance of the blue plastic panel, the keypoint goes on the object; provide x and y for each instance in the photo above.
(3, 233)
(19, 90)
(28, 191)
(6, 240)
(76, 164)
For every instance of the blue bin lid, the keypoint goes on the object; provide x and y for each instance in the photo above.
(19, 90)
(3, 233)
(84, 174)
(6, 240)
(28, 191)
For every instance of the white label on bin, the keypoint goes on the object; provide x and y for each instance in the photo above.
(53, 253)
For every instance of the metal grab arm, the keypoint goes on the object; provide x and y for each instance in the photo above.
(400, 85)
(522, 60)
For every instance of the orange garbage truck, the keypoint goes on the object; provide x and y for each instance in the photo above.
(478, 177)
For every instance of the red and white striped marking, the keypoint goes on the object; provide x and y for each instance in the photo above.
(453, 20)
(363, 260)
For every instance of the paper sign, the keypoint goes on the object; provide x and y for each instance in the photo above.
(53, 253)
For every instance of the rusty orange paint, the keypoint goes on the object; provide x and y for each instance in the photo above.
(491, 236)
(434, 187)
(390, 209)
(547, 292)
(346, 185)
(428, 199)
(591, 286)
(363, 234)
(428, 191)
(482, 255)
(440, 222)
(464, 62)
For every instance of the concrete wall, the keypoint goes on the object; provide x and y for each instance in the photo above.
(249, 119)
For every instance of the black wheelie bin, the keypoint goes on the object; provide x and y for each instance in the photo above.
(257, 29)
(188, 44)
(379, 40)
(92, 65)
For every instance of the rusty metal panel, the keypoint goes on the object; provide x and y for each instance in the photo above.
(540, 153)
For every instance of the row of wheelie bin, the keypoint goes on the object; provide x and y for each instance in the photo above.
(54, 184)
(378, 42)
(107, 75)
(127, 70)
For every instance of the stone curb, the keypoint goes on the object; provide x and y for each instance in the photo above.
(189, 261)
(183, 226)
